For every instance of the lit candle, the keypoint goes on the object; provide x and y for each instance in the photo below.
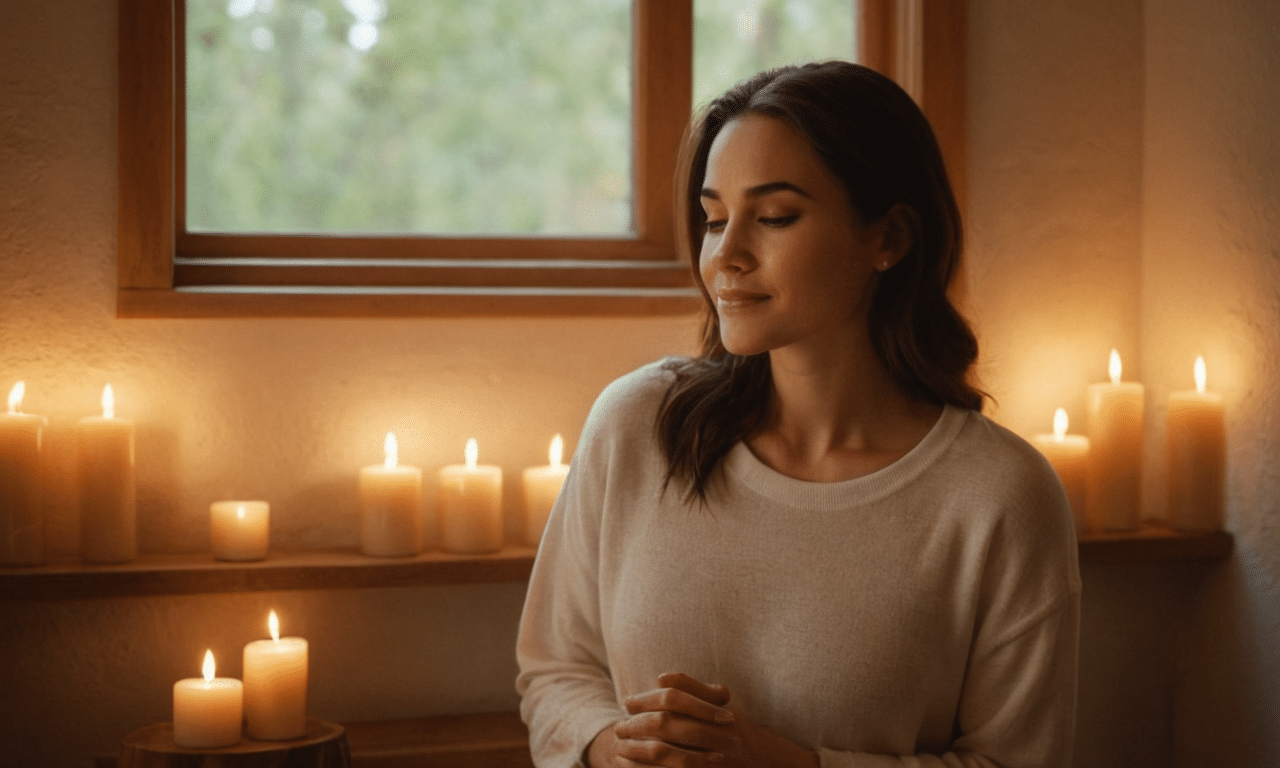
(390, 506)
(207, 711)
(108, 508)
(471, 505)
(239, 530)
(541, 487)
(1115, 453)
(21, 503)
(1197, 457)
(1069, 455)
(275, 686)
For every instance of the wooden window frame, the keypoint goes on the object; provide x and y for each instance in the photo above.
(166, 272)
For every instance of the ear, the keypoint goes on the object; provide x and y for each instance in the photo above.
(899, 230)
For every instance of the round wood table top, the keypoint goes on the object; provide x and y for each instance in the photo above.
(323, 746)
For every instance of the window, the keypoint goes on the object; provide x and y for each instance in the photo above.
(167, 271)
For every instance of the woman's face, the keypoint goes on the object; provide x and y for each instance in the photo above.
(786, 259)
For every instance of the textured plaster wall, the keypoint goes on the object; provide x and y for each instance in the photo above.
(1211, 267)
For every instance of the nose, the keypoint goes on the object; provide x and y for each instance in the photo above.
(728, 250)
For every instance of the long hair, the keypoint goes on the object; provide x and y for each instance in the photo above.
(871, 135)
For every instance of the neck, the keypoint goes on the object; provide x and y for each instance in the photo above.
(833, 416)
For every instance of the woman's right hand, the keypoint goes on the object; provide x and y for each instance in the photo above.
(683, 704)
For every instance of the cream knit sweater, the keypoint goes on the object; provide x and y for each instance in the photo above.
(922, 615)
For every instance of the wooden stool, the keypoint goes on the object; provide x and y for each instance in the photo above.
(324, 746)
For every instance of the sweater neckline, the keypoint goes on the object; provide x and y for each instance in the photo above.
(744, 468)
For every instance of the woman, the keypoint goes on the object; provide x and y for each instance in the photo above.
(806, 546)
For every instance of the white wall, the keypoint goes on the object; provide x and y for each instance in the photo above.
(1062, 246)
(1211, 286)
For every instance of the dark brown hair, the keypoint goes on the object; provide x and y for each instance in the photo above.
(877, 142)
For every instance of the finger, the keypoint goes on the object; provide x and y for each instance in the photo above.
(675, 729)
(679, 702)
(712, 692)
(655, 752)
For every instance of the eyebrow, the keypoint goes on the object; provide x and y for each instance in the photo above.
(760, 190)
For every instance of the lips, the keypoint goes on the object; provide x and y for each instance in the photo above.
(737, 298)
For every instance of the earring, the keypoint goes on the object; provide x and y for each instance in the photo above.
(882, 266)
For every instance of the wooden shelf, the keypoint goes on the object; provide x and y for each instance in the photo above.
(193, 574)
(1153, 543)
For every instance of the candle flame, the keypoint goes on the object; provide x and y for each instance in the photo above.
(273, 623)
(15, 396)
(390, 451)
(472, 453)
(557, 450)
(1113, 367)
(208, 666)
(108, 402)
(1059, 423)
(1201, 375)
(240, 511)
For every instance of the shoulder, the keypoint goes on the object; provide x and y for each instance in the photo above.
(628, 407)
(1001, 462)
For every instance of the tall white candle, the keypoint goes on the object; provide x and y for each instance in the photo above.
(21, 500)
(541, 487)
(1115, 452)
(390, 506)
(1069, 455)
(471, 505)
(1197, 443)
(239, 530)
(207, 711)
(275, 686)
(108, 506)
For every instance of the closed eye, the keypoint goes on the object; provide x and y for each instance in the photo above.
(715, 226)
(779, 221)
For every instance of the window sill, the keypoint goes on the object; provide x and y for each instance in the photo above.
(193, 574)
(230, 301)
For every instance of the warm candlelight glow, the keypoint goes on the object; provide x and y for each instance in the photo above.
(557, 450)
(1113, 367)
(15, 396)
(1059, 424)
(273, 623)
(390, 451)
(240, 511)
(472, 453)
(1201, 375)
(208, 666)
(108, 403)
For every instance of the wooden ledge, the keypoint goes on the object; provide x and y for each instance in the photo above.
(1153, 543)
(193, 574)
(485, 740)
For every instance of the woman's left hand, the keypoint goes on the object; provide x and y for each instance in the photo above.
(685, 722)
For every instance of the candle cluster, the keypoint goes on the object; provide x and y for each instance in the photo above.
(469, 506)
(104, 481)
(1102, 473)
(271, 702)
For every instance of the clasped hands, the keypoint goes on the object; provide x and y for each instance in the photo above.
(685, 722)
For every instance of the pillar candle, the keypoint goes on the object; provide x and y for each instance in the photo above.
(105, 472)
(541, 487)
(21, 501)
(1115, 453)
(1069, 455)
(390, 506)
(239, 530)
(207, 711)
(1197, 457)
(470, 506)
(275, 686)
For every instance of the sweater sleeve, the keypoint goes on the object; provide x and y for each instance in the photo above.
(567, 693)
(1018, 700)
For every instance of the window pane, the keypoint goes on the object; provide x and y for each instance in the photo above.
(734, 39)
(496, 117)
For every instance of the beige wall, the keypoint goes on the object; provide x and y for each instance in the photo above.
(1075, 214)
(1211, 286)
